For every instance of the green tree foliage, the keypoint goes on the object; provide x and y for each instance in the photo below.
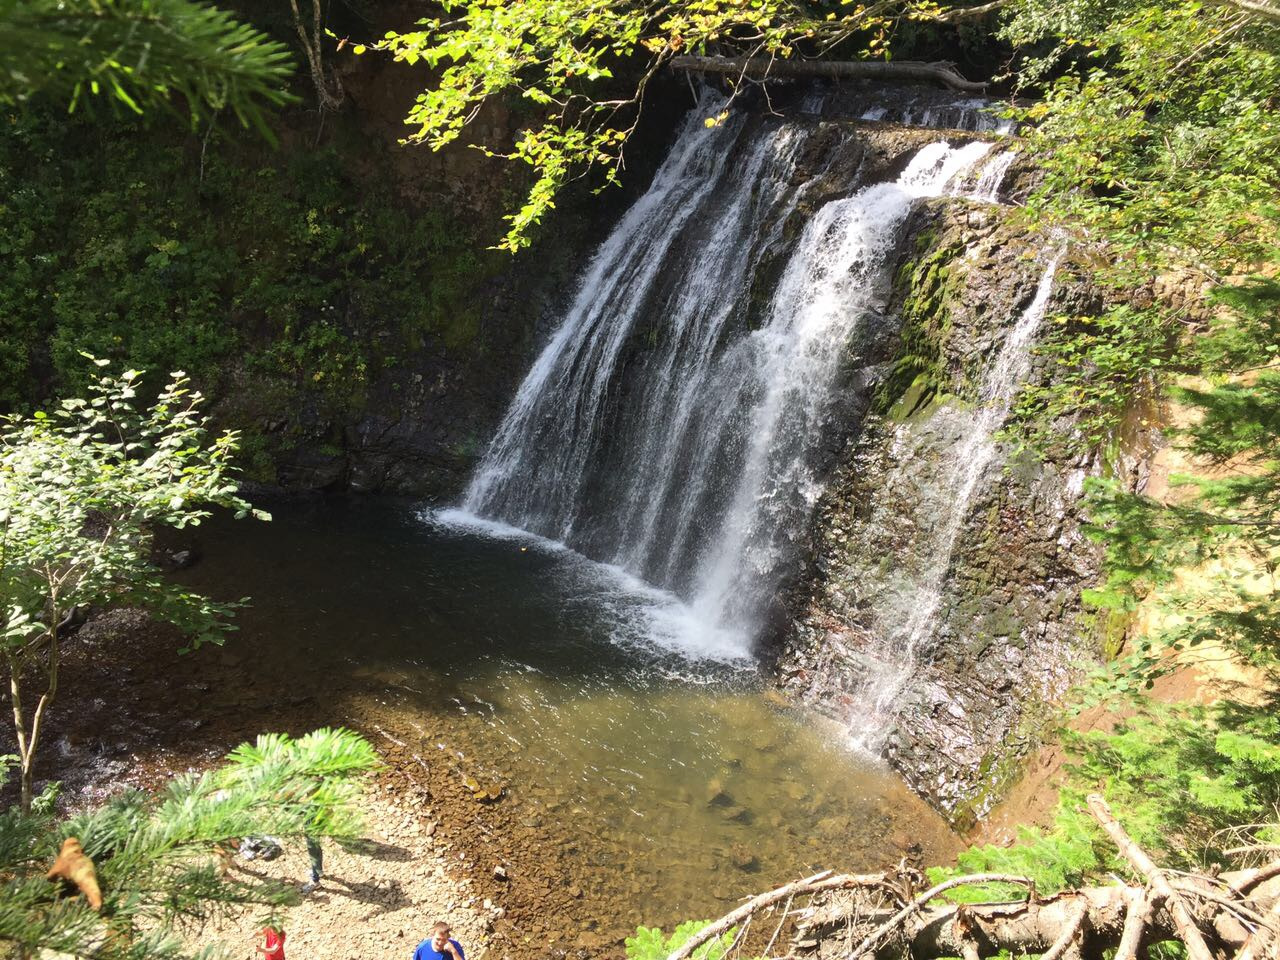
(650, 943)
(81, 491)
(1160, 151)
(1221, 523)
(583, 68)
(140, 53)
(158, 860)
(1186, 778)
(1158, 140)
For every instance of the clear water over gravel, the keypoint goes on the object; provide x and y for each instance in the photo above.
(665, 785)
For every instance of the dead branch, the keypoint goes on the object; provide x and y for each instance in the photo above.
(1255, 7)
(1031, 926)
(1069, 934)
(967, 13)
(1246, 880)
(734, 917)
(904, 71)
(1257, 946)
(1253, 848)
(874, 938)
(1066, 926)
(1117, 917)
(1185, 921)
(1136, 920)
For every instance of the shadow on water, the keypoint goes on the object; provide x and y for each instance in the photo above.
(668, 782)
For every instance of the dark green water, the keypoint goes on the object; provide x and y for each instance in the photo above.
(664, 764)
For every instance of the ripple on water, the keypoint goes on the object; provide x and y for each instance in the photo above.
(633, 613)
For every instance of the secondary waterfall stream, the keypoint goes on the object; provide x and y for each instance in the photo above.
(907, 602)
(672, 426)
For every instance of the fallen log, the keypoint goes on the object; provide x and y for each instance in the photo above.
(1074, 923)
(873, 939)
(814, 884)
(903, 71)
(1102, 917)
(891, 920)
(1183, 918)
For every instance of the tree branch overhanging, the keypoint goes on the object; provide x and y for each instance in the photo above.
(904, 71)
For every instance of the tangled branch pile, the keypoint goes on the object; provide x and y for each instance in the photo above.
(1214, 917)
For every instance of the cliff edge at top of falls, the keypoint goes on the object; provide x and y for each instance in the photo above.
(1006, 631)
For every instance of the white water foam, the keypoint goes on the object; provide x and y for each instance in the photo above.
(966, 113)
(638, 614)
(986, 182)
(658, 432)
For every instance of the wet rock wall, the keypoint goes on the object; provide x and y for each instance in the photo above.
(1008, 632)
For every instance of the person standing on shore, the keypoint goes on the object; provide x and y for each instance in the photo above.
(439, 946)
(272, 947)
(316, 855)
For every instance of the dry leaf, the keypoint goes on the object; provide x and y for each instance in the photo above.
(77, 869)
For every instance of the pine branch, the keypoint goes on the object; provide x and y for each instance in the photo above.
(139, 53)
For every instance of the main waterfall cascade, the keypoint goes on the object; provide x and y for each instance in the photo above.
(658, 431)
(678, 425)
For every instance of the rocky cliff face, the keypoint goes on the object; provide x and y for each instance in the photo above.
(955, 705)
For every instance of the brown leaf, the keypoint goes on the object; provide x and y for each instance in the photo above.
(73, 867)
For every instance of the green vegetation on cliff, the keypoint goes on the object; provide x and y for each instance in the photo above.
(136, 243)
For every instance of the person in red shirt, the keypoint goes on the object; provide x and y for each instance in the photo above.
(274, 946)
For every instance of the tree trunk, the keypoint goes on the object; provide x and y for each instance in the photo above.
(906, 71)
(20, 732)
(329, 92)
(28, 737)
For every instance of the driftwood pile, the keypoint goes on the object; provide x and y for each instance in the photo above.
(886, 916)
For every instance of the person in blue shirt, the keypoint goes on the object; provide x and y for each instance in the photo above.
(438, 946)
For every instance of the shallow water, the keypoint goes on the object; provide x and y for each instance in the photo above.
(668, 775)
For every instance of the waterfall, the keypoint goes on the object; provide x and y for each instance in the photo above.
(908, 611)
(992, 177)
(970, 113)
(673, 424)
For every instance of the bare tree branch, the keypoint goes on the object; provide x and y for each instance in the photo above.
(1197, 949)
(896, 71)
(1135, 926)
(968, 13)
(1258, 7)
